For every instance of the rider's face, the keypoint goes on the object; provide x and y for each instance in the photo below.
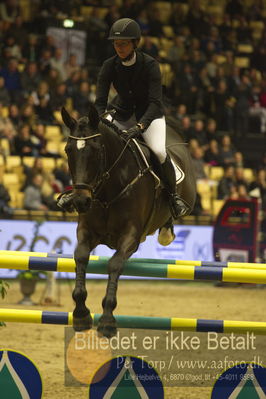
(123, 47)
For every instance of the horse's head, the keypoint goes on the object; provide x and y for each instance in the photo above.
(84, 151)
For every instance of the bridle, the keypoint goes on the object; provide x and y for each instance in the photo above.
(85, 186)
(103, 175)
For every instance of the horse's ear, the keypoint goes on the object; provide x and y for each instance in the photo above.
(67, 119)
(93, 117)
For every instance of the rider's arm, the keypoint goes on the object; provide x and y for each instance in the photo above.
(154, 94)
(103, 87)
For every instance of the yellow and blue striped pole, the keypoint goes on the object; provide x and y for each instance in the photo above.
(234, 265)
(138, 269)
(137, 322)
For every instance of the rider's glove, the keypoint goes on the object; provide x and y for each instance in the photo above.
(133, 132)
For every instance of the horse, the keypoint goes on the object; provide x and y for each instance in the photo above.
(119, 200)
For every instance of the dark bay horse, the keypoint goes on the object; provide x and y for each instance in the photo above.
(119, 202)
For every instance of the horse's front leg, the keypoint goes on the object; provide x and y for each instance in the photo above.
(82, 319)
(127, 246)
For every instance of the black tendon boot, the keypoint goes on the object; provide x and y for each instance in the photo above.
(177, 206)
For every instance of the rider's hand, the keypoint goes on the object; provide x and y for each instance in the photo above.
(132, 133)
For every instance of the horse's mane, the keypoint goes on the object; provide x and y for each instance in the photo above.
(110, 125)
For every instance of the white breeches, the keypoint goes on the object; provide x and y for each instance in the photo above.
(154, 136)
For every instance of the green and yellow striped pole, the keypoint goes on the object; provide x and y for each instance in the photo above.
(137, 322)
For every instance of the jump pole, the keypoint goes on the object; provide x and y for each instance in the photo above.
(234, 265)
(137, 322)
(138, 269)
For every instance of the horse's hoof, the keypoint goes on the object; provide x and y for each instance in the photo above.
(82, 323)
(107, 327)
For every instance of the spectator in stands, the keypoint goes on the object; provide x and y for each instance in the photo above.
(41, 92)
(9, 10)
(239, 160)
(186, 128)
(28, 115)
(226, 182)
(188, 88)
(19, 31)
(30, 51)
(240, 177)
(33, 199)
(73, 83)
(12, 47)
(181, 112)
(7, 129)
(5, 198)
(38, 136)
(242, 192)
(211, 129)
(23, 143)
(11, 76)
(52, 78)
(176, 52)
(259, 184)
(234, 8)
(199, 133)
(223, 105)
(14, 116)
(198, 163)
(57, 63)
(242, 95)
(81, 98)
(72, 65)
(30, 78)
(212, 155)
(114, 14)
(4, 94)
(227, 150)
(149, 47)
(59, 97)
(45, 62)
(62, 174)
(256, 109)
(44, 111)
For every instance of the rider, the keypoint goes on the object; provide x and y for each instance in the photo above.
(136, 78)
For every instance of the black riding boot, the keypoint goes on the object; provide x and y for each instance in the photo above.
(177, 206)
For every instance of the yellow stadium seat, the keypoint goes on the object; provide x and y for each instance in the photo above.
(12, 161)
(11, 181)
(52, 147)
(248, 174)
(168, 31)
(217, 206)
(256, 25)
(216, 172)
(86, 11)
(4, 112)
(245, 48)
(5, 147)
(242, 62)
(2, 160)
(48, 163)
(28, 161)
(52, 132)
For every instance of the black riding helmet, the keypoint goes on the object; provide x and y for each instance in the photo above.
(125, 28)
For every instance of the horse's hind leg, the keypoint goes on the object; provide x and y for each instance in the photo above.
(107, 323)
(82, 319)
